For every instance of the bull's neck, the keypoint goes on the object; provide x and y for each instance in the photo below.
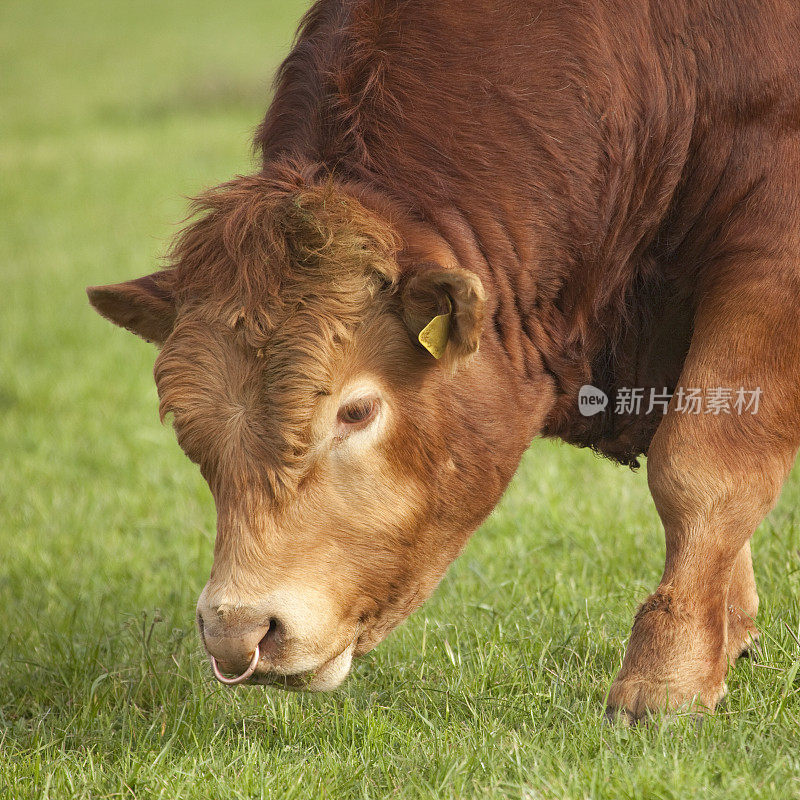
(547, 332)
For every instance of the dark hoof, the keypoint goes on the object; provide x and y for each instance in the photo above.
(619, 716)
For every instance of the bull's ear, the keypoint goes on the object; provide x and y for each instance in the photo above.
(144, 306)
(444, 310)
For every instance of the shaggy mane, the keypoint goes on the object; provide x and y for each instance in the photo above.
(265, 246)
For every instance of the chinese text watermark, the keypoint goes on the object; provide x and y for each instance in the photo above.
(716, 400)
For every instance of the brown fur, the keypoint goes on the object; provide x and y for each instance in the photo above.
(607, 193)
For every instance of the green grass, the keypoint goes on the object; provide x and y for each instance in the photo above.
(111, 113)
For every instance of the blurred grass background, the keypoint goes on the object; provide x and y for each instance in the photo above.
(110, 114)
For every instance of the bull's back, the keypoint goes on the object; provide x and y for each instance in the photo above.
(542, 107)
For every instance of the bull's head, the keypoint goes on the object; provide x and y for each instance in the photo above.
(323, 375)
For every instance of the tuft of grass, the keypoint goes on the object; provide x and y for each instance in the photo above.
(112, 113)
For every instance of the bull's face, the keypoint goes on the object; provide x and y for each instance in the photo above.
(347, 463)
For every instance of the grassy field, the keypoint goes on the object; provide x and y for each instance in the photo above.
(111, 113)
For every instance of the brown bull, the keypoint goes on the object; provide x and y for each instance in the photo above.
(465, 213)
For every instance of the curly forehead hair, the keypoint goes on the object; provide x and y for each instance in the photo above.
(264, 246)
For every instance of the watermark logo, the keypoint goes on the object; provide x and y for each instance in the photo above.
(716, 400)
(591, 400)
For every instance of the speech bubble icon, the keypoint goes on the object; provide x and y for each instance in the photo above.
(591, 400)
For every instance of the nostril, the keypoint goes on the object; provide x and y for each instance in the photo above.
(274, 636)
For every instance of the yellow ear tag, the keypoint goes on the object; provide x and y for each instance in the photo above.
(433, 337)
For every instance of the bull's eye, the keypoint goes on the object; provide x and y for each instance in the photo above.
(358, 413)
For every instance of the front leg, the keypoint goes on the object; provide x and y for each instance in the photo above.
(713, 478)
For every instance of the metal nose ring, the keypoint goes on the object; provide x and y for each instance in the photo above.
(239, 678)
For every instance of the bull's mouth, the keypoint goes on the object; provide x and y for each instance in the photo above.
(292, 683)
(325, 678)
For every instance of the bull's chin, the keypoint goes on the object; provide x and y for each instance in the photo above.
(325, 678)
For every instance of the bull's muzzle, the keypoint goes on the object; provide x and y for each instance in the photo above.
(287, 638)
